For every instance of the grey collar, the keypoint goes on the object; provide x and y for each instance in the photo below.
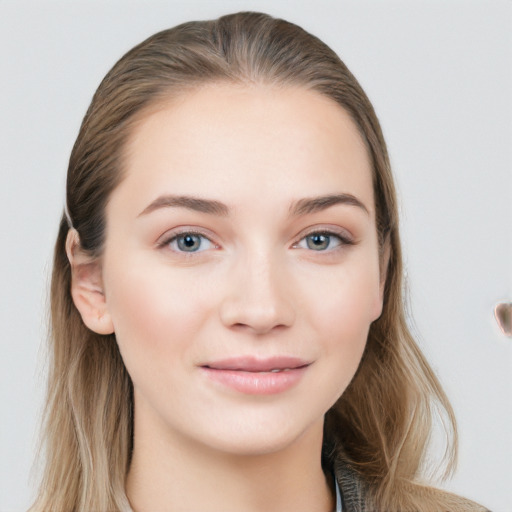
(339, 506)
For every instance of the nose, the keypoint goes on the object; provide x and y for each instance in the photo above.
(258, 297)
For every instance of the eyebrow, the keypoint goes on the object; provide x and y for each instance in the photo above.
(298, 208)
(316, 204)
(191, 203)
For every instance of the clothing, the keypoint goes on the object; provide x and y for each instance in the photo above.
(351, 488)
(355, 496)
(339, 506)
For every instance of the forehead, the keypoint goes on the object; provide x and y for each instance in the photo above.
(238, 142)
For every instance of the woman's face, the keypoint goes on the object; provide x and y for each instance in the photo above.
(241, 267)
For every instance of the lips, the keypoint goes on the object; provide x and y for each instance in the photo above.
(251, 364)
(253, 376)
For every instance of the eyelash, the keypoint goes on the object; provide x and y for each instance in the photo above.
(343, 240)
(175, 236)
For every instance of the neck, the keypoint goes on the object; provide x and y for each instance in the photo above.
(169, 472)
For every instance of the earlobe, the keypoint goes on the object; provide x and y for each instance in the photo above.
(87, 287)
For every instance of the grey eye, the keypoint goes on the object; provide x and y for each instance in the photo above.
(318, 242)
(322, 241)
(189, 242)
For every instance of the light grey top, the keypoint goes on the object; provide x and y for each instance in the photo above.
(339, 507)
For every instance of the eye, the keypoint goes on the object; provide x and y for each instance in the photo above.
(189, 242)
(322, 241)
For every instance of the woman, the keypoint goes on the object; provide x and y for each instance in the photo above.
(227, 322)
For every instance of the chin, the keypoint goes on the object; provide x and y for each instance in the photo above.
(253, 446)
(261, 439)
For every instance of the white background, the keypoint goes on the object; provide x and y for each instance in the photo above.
(439, 75)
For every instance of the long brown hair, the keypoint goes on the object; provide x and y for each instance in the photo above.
(380, 426)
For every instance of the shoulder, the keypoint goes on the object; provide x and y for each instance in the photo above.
(357, 496)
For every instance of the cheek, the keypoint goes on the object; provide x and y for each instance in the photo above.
(156, 317)
(347, 299)
(346, 334)
(343, 318)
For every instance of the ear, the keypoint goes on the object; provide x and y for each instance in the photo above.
(87, 287)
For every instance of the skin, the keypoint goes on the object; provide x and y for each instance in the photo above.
(257, 286)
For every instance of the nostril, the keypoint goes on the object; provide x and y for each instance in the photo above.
(258, 328)
(256, 305)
